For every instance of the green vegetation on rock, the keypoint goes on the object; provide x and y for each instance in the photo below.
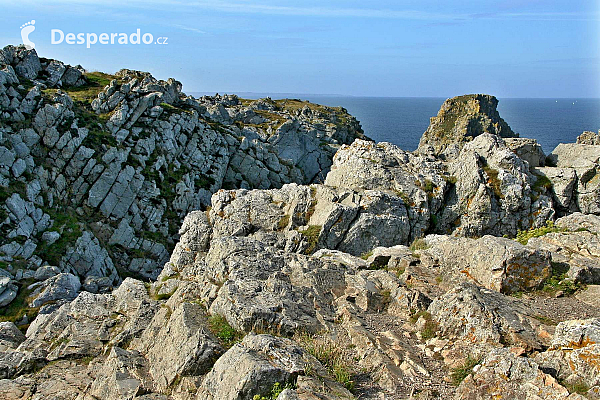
(458, 374)
(275, 391)
(524, 236)
(223, 331)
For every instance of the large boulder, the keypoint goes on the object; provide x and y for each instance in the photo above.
(494, 192)
(8, 291)
(475, 319)
(59, 287)
(25, 61)
(124, 375)
(588, 137)
(182, 346)
(253, 366)
(579, 251)
(578, 222)
(264, 287)
(10, 336)
(573, 155)
(528, 150)
(496, 263)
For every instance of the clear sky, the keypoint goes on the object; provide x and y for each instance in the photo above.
(509, 48)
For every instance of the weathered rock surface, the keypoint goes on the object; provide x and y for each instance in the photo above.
(253, 366)
(528, 150)
(461, 119)
(573, 356)
(475, 319)
(10, 336)
(496, 263)
(292, 275)
(502, 375)
(588, 137)
(580, 251)
(96, 181)
(576, 176)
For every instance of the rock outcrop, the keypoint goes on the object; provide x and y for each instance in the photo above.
(461, 119)
(588, 137)
(574, 177)
(97, 171)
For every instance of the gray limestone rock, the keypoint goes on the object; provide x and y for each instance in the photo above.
(496, 263)
(501, 374)
(10, 336)
(60, 287)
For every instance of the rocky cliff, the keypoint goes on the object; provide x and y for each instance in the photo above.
(375, 273)
(97, 171)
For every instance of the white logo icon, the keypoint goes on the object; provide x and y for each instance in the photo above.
(26, 29)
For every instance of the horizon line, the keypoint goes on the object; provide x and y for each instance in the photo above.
(238, 93)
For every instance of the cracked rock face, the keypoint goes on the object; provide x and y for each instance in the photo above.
(97, 171)
(503, 375)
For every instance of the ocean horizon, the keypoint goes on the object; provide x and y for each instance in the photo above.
(402, 120)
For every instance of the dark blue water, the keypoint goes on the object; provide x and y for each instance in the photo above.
(402, 120)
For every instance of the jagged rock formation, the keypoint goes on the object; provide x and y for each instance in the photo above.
(588, 137)
(379, 195)
(97, 171)
(461, 119)
(574, 172)
(297, 282)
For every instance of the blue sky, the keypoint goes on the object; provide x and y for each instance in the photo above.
(509, 48)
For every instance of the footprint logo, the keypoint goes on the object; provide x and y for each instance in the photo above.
(26, 29)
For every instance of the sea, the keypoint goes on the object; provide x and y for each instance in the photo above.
(402, 120)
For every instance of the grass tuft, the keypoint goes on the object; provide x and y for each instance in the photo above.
(458, 374)
(524, 236)
(419, 244)
(223, 331)
(312, 236)
(332, 356)
(275, 391)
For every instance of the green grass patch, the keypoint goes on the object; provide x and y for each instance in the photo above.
(419, 244)
(578, 386)
(403, 196)
(96, 83)
(275, 391)
(558, 281)
(430, 327)
(524, 236)
(545, 320)
(458, 374)
(19, 307)
(427, 186)
(204, 182)
(223, 331)
(14, 187)
(416, 315)
(66, 222)
(542, 183)
(312, 236)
